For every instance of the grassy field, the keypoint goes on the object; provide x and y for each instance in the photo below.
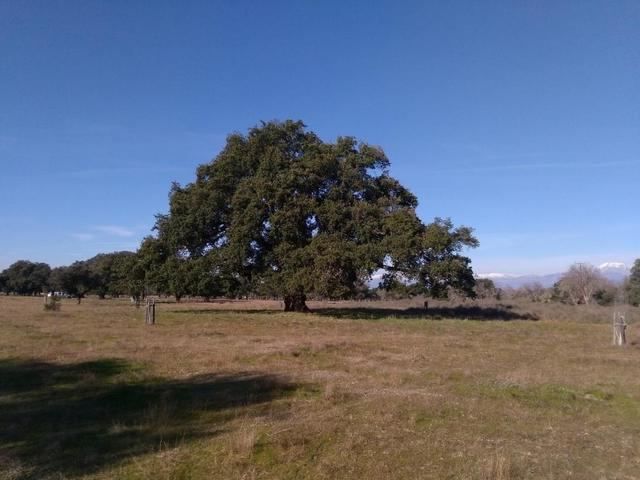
(240, 390)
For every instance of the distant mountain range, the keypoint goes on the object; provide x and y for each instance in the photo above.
(616, 272)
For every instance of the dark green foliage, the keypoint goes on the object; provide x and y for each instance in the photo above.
(558, 294)
(25, 278)
(633, 284)
(605, 296)
(142, 272)
(281, 211)
(175, 276)
(110, 273)
(77, 279)
(104, 274)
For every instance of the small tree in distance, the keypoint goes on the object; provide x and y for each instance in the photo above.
(77, 279)
(486, 289)
(633, 284)
(108, 273)
(581, 282)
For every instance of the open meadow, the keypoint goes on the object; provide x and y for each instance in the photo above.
(355, 390)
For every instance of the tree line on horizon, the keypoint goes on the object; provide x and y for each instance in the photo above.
(106, 274)
(131, 274)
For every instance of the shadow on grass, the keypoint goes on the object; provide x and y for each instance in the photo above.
(71, 420)
(461, 312)
(209, 311)
(474, 312)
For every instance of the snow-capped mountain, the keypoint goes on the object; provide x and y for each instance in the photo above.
(616, 272)
(497, 276)
(503, 280)
(612, 266)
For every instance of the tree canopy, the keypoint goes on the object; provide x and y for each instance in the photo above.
(109, 273)
(581, 282)
(104, 274)
(77, 279)
(633, 284)
(25, 278)
(281, 212)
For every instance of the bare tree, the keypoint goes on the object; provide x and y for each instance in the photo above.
(534, 292)
(485, 289)
(580, 282)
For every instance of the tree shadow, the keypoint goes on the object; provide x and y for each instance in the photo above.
(209, 311)
(500, 312)
(70, 420)
(460, 312)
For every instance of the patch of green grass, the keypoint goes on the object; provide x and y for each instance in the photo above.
(557, 397)
(437, 417)
(264, 452)
(627, 408)
(307, 392)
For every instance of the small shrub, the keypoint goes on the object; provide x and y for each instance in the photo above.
(52, 304)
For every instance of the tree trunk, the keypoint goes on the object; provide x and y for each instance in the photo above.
(296, 303)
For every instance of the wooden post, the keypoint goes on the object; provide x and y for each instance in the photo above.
(619, 329)
(150, 312)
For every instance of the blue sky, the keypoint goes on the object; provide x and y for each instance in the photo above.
(521, 119)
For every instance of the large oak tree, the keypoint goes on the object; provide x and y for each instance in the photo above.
(281, 212)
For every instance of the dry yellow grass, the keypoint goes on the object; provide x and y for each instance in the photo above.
(241, 390)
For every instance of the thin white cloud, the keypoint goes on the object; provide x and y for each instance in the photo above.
(83, 236)
(115, 230)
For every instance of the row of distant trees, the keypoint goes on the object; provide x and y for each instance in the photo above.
(582, 284)
(102, 275)
(135, 274)
(146, 271)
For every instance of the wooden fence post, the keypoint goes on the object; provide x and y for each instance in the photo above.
(619, 329)
(150, 312)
